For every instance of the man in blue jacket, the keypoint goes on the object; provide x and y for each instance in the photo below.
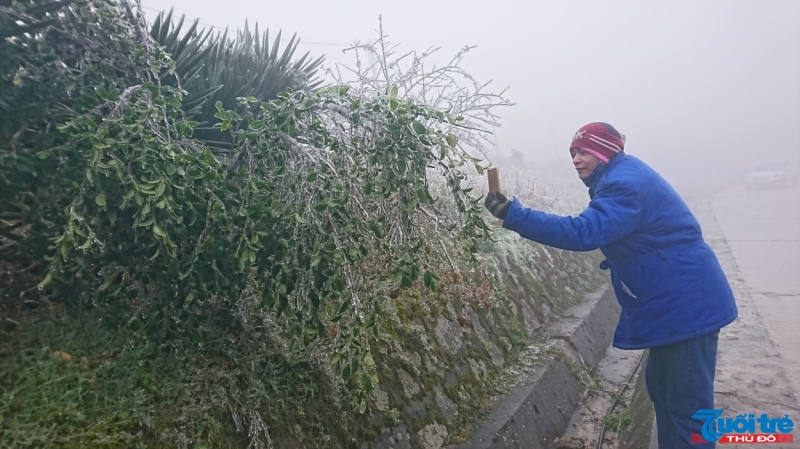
(673, 292)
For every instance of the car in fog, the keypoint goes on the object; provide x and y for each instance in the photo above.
(775, 173)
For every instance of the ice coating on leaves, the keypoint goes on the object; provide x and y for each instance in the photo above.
(323, 242)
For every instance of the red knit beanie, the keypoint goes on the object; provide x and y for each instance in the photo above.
(599, 139)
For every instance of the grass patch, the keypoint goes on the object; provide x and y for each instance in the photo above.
(69, 384)
(618, 421)
(59, 389)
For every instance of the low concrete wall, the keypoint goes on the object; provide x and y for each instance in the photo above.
(531, 415)
(589, 327)
(638, 434)
(534, 413)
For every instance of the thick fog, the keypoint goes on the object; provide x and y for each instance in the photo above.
(702, 89)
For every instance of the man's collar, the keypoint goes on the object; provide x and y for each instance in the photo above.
(592, 180)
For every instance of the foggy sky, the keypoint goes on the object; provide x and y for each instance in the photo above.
(702, 89)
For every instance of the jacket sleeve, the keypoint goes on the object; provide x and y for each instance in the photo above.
(612, 214)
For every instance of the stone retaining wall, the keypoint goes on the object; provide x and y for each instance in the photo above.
(442, 362)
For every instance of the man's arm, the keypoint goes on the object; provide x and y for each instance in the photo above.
(613, 213)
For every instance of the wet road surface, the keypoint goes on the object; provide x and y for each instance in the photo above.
(762, 229)
(756, 235)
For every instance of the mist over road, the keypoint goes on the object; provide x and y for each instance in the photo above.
(762, 229)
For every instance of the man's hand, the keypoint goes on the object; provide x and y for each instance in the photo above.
(498, 204)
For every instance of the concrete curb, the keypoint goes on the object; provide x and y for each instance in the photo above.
(538, 410)
(641, 432)
(589, 327)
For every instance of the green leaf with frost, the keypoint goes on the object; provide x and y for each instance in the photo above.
(397, 278)
(158, 231)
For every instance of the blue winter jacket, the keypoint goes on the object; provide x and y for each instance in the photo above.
(666, 278)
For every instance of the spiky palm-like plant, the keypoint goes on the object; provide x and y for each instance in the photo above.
(214, 67)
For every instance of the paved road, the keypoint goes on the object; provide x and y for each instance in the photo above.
(756, 237)
(762, 229)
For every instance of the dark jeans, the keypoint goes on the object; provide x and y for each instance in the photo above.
(680, 381)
